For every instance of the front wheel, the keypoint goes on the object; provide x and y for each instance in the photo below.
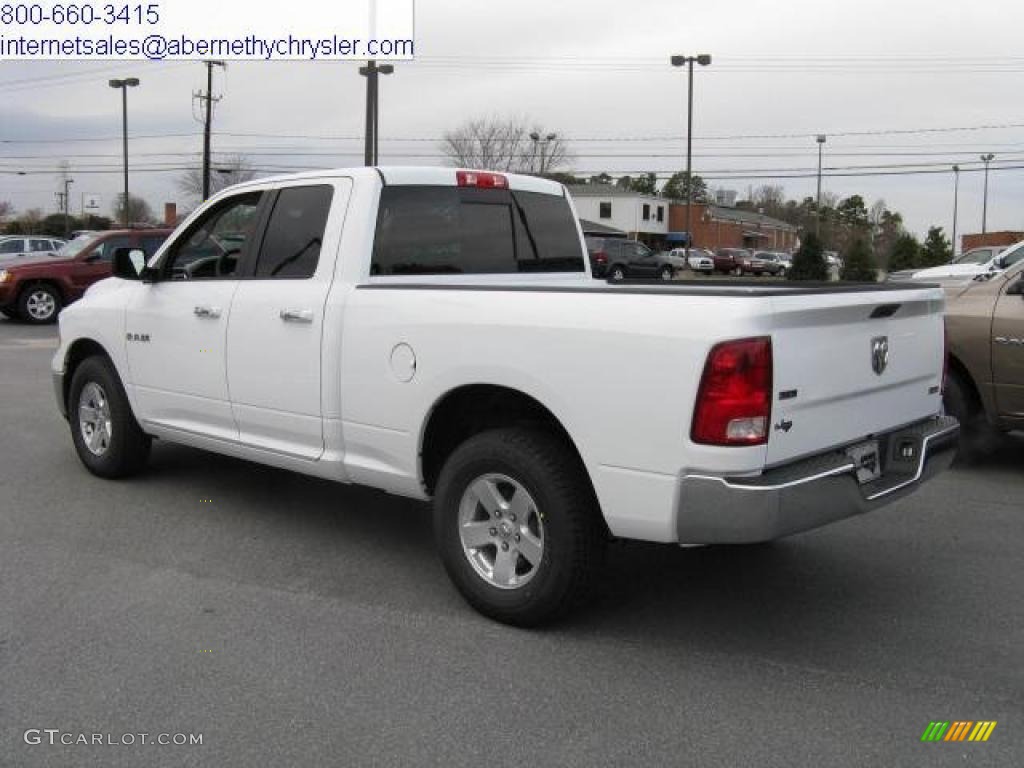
(39, 304)
(106, 435)
(517, 526)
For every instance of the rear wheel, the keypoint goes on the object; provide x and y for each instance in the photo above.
(517, 526)
(39, 304)
(667, 273)
(738, 271)
(618, 273)
(106, 435)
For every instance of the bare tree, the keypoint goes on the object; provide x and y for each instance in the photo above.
(769, 197)
(505, 144)
(139, 211)
(6, 209)
(233, 170)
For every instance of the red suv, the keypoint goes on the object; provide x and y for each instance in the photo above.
(34, 289)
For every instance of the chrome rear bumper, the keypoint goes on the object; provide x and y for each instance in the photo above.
(812, 492)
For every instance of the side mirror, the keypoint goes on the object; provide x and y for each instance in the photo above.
(130, 264)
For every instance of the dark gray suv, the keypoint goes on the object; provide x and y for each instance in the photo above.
(617, 258)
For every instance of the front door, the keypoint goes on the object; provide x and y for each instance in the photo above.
(276, 329)
(1008, 349)
(177, 326)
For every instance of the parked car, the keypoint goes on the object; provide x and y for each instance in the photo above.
(754, 264)
(774, 263)
(15, 247)
(35, 288)
(730, 260)
(479, 367)
(977, 261)
(985, 383)
(700, 260)
(618, 259)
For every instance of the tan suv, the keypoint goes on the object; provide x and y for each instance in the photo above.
(985, 322)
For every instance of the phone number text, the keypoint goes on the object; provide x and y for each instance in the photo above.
(79, 14)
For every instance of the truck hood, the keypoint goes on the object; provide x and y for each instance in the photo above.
(952, 270)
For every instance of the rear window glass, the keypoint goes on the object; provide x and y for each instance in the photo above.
(432, 230)
(295, 232)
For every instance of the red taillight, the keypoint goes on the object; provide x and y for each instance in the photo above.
(601, 257)
(734, 401)
(481, 180)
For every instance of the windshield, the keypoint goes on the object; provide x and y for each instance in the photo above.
(76, 246)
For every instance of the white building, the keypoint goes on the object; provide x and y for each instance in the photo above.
(642, 217)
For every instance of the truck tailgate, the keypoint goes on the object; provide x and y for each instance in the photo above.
(850, 365)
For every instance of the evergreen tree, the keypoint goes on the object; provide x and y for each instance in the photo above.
(675, 188)
(809, 260)
(905, 254)
(859, 265)
(936, 250)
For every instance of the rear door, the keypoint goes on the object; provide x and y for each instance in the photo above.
(848, 365)
(1008, 349)
(276, 329)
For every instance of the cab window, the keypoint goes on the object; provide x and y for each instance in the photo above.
(211, 247)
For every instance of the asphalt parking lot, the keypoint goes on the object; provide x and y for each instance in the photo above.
(293, 622)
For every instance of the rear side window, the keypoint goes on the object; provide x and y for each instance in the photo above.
(432, 230)
(295, 232)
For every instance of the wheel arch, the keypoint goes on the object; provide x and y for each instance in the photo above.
(79, 351)
(469, 409)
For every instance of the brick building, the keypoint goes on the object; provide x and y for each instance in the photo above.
(1005, 237)
(717, 226)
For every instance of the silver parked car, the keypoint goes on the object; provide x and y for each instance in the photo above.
(13, 247)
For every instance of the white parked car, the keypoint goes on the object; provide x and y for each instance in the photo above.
(15, 247)
(977, 261)
(699, 260)
(436, 334)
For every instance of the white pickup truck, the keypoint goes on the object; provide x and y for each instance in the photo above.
(437, 334)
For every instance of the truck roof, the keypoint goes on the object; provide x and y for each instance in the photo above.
(411, 174)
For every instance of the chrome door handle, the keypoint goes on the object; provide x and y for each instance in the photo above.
(297, 315)
(201, 310)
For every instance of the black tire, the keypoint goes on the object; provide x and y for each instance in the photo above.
(39, 304)
(574, 536)
(127, 448)
(667, 273)
(961, 401)
(617, 273)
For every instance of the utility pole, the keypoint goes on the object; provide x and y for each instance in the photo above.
(817, 206)
(66, 200)
(986, 159)
(371, 72)
(688, 61)
(956, 195)
(208, 121)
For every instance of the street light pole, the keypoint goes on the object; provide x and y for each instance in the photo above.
(543, 143)
(817, 206)
(986, 159)
(124, 85)
(956, 196)
(688, 61)
(371, 72)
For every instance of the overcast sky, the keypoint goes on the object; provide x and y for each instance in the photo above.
(596, 72)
